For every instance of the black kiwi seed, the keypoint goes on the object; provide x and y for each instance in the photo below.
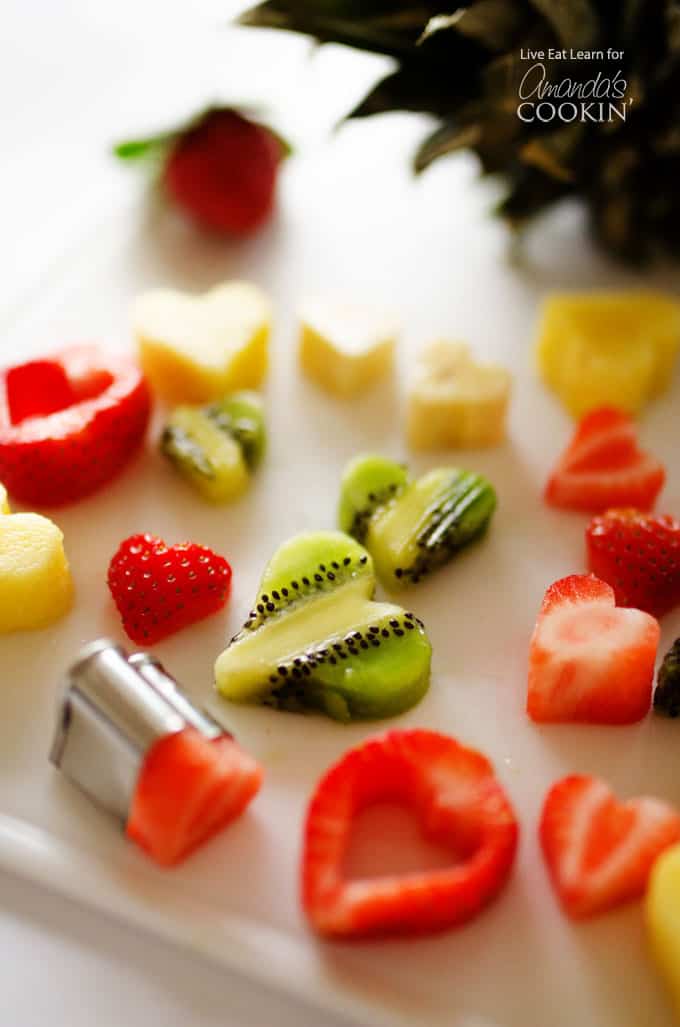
(273, 678)
(343, 656)
(409, 616)
(265, 598)
(364, 559)
(275, 595)
(363, 644)
(283, 671)
(284, 592)
(322, 567)
(295, 584)
(297, 661)
(271, 607)
(358, 635)
(398, 573)
(347, 561)
(333, 660)
(335, 565)
(330, 576)
(374, 629)
(398, 631)
(385, 633)
(260, 608)
(306, 670)
(317, 577)
(337, 647)
(375, 642)
(408, 625)
(305, 581)
(394, 623)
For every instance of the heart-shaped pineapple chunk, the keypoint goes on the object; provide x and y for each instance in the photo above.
(197, 348)
(316, 639)
(35, 582)
(456, 402)
(343, 348)
(615, 349)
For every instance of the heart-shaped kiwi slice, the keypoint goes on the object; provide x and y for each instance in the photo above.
(412, 526)
(315, 639)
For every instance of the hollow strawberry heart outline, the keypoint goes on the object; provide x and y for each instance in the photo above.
(458, 802)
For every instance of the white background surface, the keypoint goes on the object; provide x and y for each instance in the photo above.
(76, 75)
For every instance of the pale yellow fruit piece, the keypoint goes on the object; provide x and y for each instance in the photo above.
(608, 348)
(662, 913)
(455, 402)
(345, 349)
(197, 348)
(35, 582)
(4, 504)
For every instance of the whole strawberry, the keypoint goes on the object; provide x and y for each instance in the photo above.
(221, 169)
(639, 556)
(160, 589)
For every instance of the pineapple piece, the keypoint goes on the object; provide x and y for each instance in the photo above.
(607, 348)
(345, 349)
(197, 348)
(35, 582)
(455, 401)
(662, 913)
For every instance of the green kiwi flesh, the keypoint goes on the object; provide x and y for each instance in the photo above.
(422, 524)
(216, 447)
(315, 639)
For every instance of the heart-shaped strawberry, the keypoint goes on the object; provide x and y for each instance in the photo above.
(639, 556)
(600, 851)
(197, 348)
(459, 804)
(68, 424)
(604, 466)
(316, 639)
(590, 660)
(160, 589)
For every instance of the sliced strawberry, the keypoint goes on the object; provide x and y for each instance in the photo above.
(600, 851)
(459, 804)
(603, 466)
(69, 424)
(639, 556)
(160, 589)
(590, 660)
(188, 789)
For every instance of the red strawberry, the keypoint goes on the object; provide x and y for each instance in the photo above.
(188, 789)
(222, 171)
(459, 803)
(600, 851)
(639, 556)
(160, 589)
(603, 466)
(590, 660)
(69, 423)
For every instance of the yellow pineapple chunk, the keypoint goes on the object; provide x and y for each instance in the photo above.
(454, 401)
(608, 348)
(35, 582)
(197, 348)
(345, 349)
(662, 913)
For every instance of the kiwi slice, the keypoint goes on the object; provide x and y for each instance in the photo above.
(216, 447)
(412, 527)
(316, 640)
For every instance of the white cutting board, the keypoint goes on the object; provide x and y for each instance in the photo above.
(353, 224)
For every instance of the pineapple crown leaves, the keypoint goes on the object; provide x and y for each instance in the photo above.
(463, 66)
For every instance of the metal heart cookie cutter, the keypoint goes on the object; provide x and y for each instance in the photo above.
(114, 708)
